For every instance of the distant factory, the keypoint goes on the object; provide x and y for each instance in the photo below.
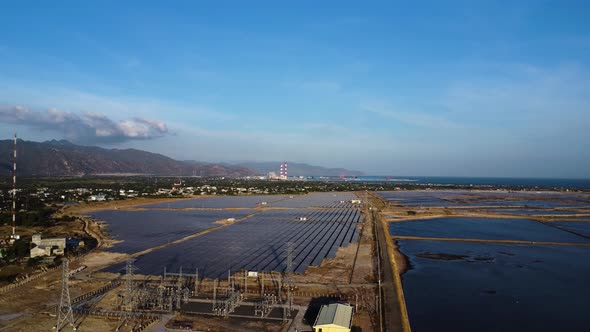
(283, 173)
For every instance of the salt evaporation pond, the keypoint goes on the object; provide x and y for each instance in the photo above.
(496, 287)
(581, 227)
(418, 198)
(140, 230)
(442, 198)
(483, 228)
(539, 212)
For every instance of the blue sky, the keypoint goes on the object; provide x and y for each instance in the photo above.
(462, 88)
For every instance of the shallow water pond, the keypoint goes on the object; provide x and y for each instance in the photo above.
(496, 287)
(483, 228)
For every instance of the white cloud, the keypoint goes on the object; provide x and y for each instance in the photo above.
(50, 96)
(88, 127)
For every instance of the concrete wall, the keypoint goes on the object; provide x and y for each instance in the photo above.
(57, 242)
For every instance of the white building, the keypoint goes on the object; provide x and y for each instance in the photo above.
(48, 247)
(98, 198)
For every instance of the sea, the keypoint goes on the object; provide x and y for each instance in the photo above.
(475, 181)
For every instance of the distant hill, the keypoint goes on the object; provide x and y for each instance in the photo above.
(62, 158)
(299, 169)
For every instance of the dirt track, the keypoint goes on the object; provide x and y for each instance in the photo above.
(395, 316)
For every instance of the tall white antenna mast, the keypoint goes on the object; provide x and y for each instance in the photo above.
(14, 191)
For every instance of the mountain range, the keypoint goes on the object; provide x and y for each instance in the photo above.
(63, 158)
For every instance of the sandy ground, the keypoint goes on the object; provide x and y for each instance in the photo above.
(45, 322)
(364, 266)
(100, 259)
(217, 324)
(37, 301)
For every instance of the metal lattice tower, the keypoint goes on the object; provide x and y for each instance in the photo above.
(65, 313)
(289, 268)
(130, 295)
(130, 290)
(288, 281)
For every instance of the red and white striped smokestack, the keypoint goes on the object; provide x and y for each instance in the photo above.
(281, 170)
(286, 170)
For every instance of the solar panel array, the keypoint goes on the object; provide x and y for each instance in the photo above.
(327, 200)
(324, 215)
(140, 230)
(216, 202)
(257, 243)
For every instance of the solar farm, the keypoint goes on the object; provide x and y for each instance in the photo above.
(259, 243)
(266, 257)
(315, 226)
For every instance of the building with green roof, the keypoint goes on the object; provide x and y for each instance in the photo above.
(335, 317)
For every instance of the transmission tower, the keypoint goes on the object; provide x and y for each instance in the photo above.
(65, 313)
(288, 281)
(130, 291)
(129, 296)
